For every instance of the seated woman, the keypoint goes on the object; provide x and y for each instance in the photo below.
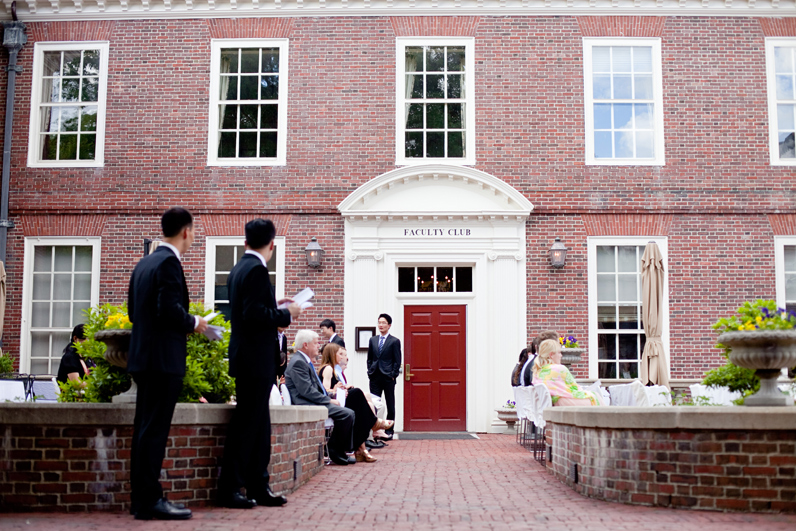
(73, 366)
(364, 418)
(564, 391)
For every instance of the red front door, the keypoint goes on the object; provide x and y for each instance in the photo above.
(434, 374)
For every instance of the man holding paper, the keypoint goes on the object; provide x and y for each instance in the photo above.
(253, 359)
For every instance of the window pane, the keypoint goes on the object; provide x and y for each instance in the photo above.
(248, 87)
(464, 279)
(435, 116)
(785, 117)
(229, 88)
(415, 84)
(435, 144)
(601, 58)
(414, 116)
(425, 279)
(91, 60)
(444, 279)
(783, 60)
(787, 146)
(221, 292)
(62, 314)
(226, 146)
(628, 260)
(643, 115)
(644, 145)
(414, 59)
(620, 58)
(643, 88)
(269, 88)
(455, 58)
(455, 86)
(606, 259)
(607, 370)
(87, 147)
(606, 317)
(269, 116)
(69, 119)
(602, 116)
(623, 116)
(622, 87)
(88, 119)
(606, 288)
(248, 116)
(62, 287)
(79, 312)
(229, 116)
(249, 60)
(435, 86)
(63, 258)
(603, 146)
(270, 60)
(642, 58)
(72, 63)
(784, 87)
(70, 90)
(406, 279)
(42, 258)
(435, 59)
(82, 287)
(89, 89)
(455, 116)
(628, 347)
(629, 317)
(41, 287)
(623, 145)
(52, 63)
(601, 86)
(67, 147)
(606, 346)
(456, 145)
(790, 287)
(790, 258)
(229, 60)
(414, 145)
(40, 344)
(628, 370)
(248, 145)
(224, 258)
(268, 144)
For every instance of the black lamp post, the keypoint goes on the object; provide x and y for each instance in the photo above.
(558, 254)
(314, 253)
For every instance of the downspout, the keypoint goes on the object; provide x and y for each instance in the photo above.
(14, 39)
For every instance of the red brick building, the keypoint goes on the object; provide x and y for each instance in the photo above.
(435, 150)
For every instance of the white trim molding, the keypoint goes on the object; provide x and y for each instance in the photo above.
(61, 10)
(779, 267)
(787, 46)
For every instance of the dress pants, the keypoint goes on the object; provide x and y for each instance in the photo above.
(154, 407)
(380, 382)
(342, 439)
(247, 450)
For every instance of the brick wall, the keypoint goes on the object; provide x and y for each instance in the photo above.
(74, 467)
(714, 469)
(714, 192)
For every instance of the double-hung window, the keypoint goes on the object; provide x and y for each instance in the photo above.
(785, 269)
(61, 281)
(222, 255)
(624, 101)
(781, 75)
(67, 127)
(435, 112)
(248, 102)
(616, 330)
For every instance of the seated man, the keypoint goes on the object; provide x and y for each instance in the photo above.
(306, 389)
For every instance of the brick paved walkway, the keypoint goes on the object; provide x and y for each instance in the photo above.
(490, 483)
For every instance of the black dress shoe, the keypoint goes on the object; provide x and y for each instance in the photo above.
(373, 445)
(236, 500)
(176, 505)
(338, 459)
(352, 460)
(163, 510)
(267, 498)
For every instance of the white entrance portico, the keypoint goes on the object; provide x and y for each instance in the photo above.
(438, 215)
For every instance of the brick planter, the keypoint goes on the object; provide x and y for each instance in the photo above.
(76, 457)
(716, 458)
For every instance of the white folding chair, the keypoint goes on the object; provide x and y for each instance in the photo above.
(285, 395)
(12, 391)
(542, 401)
(276, 397)
(630, 394)
(524, 396)
(56, 387)
(713, 395)
(658, 395)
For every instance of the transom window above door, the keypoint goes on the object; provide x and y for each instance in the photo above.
(435, 112)
(435, 279)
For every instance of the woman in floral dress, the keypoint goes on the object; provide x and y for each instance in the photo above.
(564, 391)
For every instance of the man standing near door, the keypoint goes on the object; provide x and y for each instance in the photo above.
(384, 365)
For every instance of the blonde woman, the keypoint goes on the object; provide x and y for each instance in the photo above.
(564, 391)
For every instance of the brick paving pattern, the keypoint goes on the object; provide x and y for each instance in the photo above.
(489, 483)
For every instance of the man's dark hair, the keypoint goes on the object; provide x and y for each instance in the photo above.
(259, 233)
(328, 323)
(174, 220)
(386, 318)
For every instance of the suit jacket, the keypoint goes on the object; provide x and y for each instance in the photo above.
(338, 340)
(302, 383)
(389, 361)
(157, 304)
(253, 346)
(282, 354)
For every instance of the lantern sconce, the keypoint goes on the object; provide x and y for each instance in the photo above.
(558, 254)
(314, 253)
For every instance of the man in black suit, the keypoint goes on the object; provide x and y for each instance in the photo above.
(306, 389)
(157, 304)
(281, 339)
(329, 332)
(253, 359)
(384, 365)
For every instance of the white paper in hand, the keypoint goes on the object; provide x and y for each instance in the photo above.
(302, 298)
(341, 396)
(214, 333)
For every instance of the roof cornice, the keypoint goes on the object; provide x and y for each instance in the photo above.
(81, 10)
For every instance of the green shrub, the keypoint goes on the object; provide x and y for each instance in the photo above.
(206, 368)
(6, 363)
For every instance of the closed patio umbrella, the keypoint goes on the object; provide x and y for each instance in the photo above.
(2, 299)
(653, 360)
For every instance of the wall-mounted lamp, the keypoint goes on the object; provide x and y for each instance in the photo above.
(558, 254)
(314, 253)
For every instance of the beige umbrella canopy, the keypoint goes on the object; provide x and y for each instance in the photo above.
(653, 360)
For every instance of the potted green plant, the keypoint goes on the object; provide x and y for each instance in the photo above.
(508, 414)
(570, 351)
(761, 337)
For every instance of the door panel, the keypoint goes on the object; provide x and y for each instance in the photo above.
(435, 384)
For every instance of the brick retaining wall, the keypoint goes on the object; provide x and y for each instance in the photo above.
(715, 458)
(66, 457)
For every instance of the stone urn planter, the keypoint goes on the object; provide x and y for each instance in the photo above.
(117, 343)
(571, 355)
(509, 416)
(767, 352)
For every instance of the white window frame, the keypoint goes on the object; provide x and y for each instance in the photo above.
(34, 136)
(400, 98)
(282, 101)
(210, 265)
(27, 283)
(771, 83)
(592, 243)
(779, 266)
(657, 86)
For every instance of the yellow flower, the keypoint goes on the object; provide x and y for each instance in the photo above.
(561, 340)
(759, 319)
(749, 326)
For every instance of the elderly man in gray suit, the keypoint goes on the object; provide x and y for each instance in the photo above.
(306, 389)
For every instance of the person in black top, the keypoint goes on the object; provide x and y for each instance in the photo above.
(73, 366)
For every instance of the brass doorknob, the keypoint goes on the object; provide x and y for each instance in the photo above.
(407, 373)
